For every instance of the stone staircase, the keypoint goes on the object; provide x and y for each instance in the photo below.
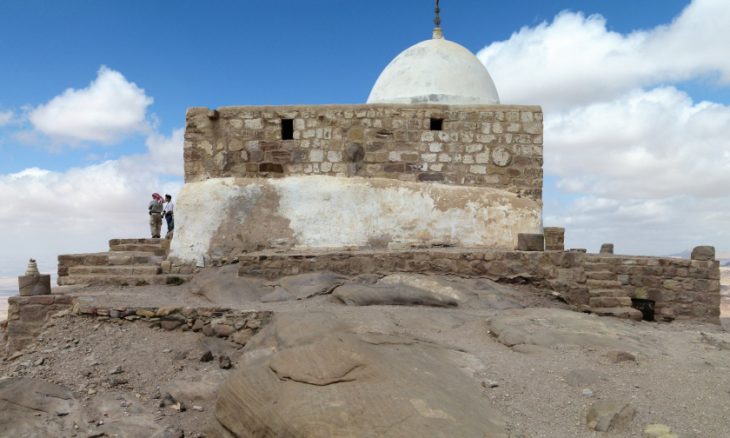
(129, 262)
(607, 297)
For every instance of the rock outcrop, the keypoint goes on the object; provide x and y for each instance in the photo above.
(317, 376)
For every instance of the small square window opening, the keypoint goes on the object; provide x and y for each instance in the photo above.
(437, 124)
(287, 129)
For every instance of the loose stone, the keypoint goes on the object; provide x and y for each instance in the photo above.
(207, 356)
(225, 362)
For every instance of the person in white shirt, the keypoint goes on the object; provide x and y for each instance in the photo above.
(168, 213)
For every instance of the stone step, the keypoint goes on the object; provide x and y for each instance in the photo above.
(110, 258)
(143, 241)
(115, 258)
(609, 302)
(600, 275)
(139, 247)
(122, 280)
(606, 293)
(619, 312)
(115, 270)
(603, 284)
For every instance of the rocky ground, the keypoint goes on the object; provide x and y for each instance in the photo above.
(404, 355)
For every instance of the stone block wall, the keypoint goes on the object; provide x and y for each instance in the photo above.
(235, 325)
(28, 315)
(554, 238)
(682, 289)
(495, 146)
(559, 271)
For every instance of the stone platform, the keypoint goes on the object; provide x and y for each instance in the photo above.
(597, 283)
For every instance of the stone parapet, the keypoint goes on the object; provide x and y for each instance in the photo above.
(496, 146)
(554, 238)
(681, 289)
(561, 272)
(235, 325)
(28, 314)
(606, 248)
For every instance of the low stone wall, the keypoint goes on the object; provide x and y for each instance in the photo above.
(682, 289)
(28, 315)
(556, 270)
(235, 325)
(496, 146)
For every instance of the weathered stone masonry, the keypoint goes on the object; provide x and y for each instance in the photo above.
(491, 146)
(682, 289)
(27, 317)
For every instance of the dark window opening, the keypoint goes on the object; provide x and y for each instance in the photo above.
(645, 306)
(287, 129)
(437, 124)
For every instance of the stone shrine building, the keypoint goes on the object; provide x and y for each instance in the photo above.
(431, 160)
(431, 176)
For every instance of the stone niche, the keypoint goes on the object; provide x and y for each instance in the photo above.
(358, 176)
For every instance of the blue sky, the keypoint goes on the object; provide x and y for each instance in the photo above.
(187, 53)
(248, 52)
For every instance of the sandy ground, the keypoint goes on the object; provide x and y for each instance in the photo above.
(681, 376)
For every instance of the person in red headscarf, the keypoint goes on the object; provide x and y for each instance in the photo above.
(155, 210)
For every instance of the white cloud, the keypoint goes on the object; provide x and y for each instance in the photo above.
(106, 111)
(644, 226)
(164, 154)
(6, 117)
(576, 60)
(638, 162)
(641, 145)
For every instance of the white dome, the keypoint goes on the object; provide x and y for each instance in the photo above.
(435, 71)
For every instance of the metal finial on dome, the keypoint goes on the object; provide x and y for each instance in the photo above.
(437, 32)
(437, 19)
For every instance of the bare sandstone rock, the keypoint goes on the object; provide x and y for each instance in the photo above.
(392, 293)
(35, 408)
(551, 327)
(331, 381)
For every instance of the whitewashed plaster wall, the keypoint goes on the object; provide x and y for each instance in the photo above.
(223, 217)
